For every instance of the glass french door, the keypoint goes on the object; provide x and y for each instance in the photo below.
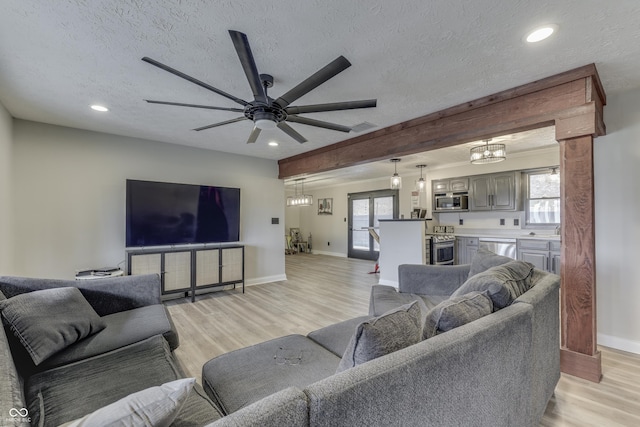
(365, 211)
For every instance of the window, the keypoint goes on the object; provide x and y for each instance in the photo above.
(542, 198)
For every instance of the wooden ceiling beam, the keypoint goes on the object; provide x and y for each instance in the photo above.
(526, 107)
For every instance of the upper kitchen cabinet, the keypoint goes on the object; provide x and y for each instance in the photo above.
(450, 185)
(495, 192)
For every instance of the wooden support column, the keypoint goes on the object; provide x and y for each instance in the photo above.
(579, 355)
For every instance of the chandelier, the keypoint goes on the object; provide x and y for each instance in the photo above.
(488, 153)
(299, 199)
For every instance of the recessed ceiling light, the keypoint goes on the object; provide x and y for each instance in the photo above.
(99, 108)
(541, 33)
(273, 144)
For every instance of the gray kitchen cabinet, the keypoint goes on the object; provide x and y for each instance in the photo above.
(539, 259)
(543, 254)
(450, 185)
(554, 257)
(466, 248)
(494, 192)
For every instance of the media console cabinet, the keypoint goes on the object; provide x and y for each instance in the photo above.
(187, 270)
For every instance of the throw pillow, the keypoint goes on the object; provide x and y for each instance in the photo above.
(156, 406)
(484, 260)
(457, 311)
(50, 320)
(504, 283)
(392, 331)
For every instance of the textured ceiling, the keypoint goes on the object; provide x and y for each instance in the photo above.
(414, 56)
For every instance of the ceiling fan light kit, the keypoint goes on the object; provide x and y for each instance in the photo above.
(488, 153)
(264, 111)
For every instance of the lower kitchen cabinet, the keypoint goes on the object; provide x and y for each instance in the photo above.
(466, 249)
(543, 254)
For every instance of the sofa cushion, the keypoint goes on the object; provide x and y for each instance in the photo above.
(383, 335)
(457, 311)
(10, 384)
(157, 406)
(484, 260)
(336, 337)
(504, 283)
(241, 377)
(50, 320)
(286, 408)
(123, 328)
(71, 391)
(386, 298)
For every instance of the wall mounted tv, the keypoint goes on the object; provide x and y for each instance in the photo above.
(161, 213)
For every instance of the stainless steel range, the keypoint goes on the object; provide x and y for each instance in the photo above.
(443, 249)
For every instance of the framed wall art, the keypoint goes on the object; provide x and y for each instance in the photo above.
(325, 206)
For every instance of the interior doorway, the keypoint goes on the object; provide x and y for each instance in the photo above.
(366, 210)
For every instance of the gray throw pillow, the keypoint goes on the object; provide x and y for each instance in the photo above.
(457, 311)
(392, 331)
(155, 406)
(50, 320)
(484, 260)
(503, 283)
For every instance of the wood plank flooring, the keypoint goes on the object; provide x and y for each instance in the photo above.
(322, 290)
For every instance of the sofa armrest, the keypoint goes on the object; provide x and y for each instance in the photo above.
(431, 279)
(106, 296)
(288, 407)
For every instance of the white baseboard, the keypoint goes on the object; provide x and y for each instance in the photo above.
(619, 343)
(338, 254)
(266, 279)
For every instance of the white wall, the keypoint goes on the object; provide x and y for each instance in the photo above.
(617, 200)
(69, 197)
(6, 235)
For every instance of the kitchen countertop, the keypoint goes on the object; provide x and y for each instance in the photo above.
(510, 234)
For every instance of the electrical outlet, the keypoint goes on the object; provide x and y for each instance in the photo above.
(516, 221)
(461, 221)
(501, 221)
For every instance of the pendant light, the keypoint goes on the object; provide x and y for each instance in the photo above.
(422, 183)
(299, 199)
(396, 180)
(488, 153)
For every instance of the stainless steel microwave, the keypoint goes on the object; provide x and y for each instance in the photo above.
(451, 202)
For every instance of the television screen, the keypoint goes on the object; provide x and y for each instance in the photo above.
(160, 213)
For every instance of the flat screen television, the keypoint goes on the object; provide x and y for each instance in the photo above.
(161, 213)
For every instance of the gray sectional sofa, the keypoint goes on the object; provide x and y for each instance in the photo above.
(498, 370)
(454, 345)
(131, 352)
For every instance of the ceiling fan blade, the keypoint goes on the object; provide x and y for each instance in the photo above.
(193, 80)
(334, 106)
(238, 119)
(253, 137)
(328, 71)
(318, 123)
(241, 43)
(291, 132)
(208, 107)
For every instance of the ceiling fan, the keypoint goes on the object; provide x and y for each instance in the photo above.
(264, 111)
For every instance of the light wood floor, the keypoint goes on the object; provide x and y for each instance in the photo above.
(322, 290)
